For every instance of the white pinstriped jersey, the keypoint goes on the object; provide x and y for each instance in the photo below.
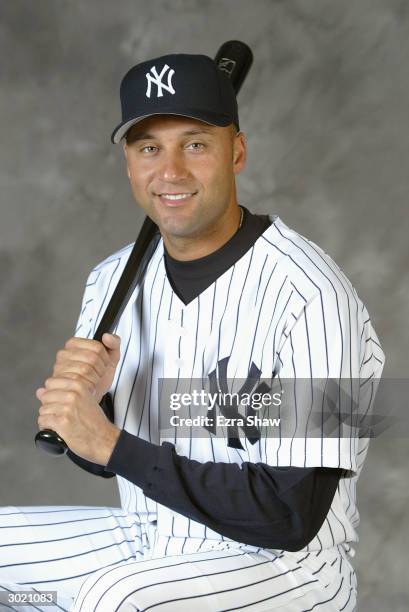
(284, 306)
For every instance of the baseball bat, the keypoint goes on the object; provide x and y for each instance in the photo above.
(234, 58)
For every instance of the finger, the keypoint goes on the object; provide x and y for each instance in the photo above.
(39, 392)
(91, 358)
(64, 382)
(50, 421)
(113, 343)
(81, 344)
(64, 397)
(78, 370)
(55, 382)
(50, 409)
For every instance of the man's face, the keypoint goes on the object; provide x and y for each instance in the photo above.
(169, 156)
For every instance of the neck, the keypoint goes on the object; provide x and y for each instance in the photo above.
(206, 241)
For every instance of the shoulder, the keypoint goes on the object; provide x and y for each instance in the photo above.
(319, 291)
(106, 268)
(107, 272)
(308, 268)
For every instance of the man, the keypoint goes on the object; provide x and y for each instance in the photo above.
(230, 517)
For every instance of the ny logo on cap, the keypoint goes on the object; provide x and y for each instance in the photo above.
(157, 79)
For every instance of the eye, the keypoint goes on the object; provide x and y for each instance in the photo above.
(148, 149)
(196, 146)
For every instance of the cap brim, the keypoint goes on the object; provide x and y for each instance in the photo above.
(121, 129)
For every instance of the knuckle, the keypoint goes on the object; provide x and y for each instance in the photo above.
(71, 396)
(64, 420)
(101, 349)
(79, 385)
(80, 382)
(94, 357)
(84, 368)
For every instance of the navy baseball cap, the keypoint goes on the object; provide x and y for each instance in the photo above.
(177, 84)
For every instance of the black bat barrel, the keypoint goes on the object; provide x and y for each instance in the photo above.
(235, 58)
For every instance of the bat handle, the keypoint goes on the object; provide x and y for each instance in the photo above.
(50, 442)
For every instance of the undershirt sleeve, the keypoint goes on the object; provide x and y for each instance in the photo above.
(254, 503)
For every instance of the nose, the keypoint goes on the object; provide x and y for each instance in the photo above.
(173, 167)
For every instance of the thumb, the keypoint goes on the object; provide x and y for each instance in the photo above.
(112, 343)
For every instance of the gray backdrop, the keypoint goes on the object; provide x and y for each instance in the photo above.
(325, 110)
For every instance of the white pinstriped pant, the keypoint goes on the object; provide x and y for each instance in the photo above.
(102, 559)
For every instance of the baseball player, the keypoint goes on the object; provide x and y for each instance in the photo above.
(232, 516)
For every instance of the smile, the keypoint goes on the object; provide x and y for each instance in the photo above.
(175, 197)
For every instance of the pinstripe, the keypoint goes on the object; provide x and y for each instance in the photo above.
(348, 600)
(230, 590)
(268, 598)
(121, 365)
(95, 518)
(53, 510)
(80, 554)
(107, 291)
(67, 578)
(152, 367)
(153, 352)
(326, 601)
(54, 539)
(94, 281)
(192, 374)
(311, 383)
(233, 342)
(258, 317)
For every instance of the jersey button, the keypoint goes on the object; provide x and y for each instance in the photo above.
(180, 331)
(176, 328)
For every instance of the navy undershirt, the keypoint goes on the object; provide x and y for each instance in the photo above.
(190, 278)
(257, 504)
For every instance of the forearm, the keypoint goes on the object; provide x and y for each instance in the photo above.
(98, 469)
(255, 503)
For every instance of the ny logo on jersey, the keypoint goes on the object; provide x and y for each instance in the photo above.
(251, 432)
(157, 80)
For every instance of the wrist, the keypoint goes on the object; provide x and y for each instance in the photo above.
(106, 449)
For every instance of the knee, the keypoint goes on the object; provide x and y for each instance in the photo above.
(106, 590)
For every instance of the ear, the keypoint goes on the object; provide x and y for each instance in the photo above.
(125, 148)
(239, 152)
